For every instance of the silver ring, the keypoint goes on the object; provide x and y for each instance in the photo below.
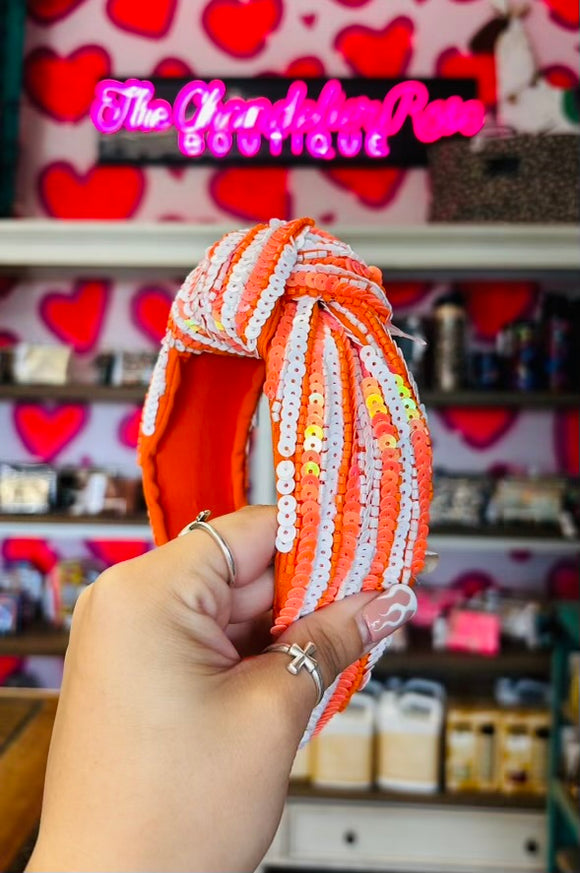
(200, 523)
(302, 659)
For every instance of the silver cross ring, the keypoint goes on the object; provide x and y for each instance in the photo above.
(302, 659)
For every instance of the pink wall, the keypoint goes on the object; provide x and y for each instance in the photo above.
(72, 43)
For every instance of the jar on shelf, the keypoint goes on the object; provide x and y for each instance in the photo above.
(449, 344)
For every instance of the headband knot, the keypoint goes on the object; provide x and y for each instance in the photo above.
(233, 300)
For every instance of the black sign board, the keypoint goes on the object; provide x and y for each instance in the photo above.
(405, 148)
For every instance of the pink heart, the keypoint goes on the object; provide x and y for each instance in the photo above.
(38, 552)
(370, 52)
(77, 318)
(482, 427)
(170, 67)
(102, 192)
(46, 431)
(64, 87)
(252, 193)
(150, 310)
(115, 551)
(48, 11)
(376, 187)
(151, 20)
(241, 27)
(129, 429)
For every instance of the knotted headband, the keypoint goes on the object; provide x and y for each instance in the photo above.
(287, 309)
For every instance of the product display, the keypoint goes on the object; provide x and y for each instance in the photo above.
(409, 725)
(27, 488)
(39, 489)
(28, 596)
(523, 751)
(341, 756)
(471, 748)
(289, 308)
(40, 364)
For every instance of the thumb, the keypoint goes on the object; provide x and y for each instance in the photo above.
(342, 632)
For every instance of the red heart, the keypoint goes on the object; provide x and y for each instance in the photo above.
(567, 441)
(563, 581)
(45, 431)
(253, 194)
(77, 318)
(307, 67)
(129, 429)
(374, 186)
(352, 2)
(453, 64)
(150, 311)
(103, 192)
(564, 12)
(492, 305)
(385, 52)
(8, 338)
(115, 551)
(172, 68)
(405, 294)
(309, 20)
(151, 20)
(560, 76)
(49, 11)
(482, 427)
(64, 87)
(7, 286)
(38, 552)
(241, 27)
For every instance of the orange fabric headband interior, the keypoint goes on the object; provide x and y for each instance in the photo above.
(199, 460)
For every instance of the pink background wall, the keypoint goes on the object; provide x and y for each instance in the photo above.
(70, 44)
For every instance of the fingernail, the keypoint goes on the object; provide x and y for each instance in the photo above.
(387, 612)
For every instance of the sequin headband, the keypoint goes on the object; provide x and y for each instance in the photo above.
(289, 310)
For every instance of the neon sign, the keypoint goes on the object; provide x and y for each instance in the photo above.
(211, 124)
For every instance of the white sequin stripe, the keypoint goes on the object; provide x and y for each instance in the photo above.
(212, 341)
(156, 389)
(408, 510)
(330, 246)
(207, 292)
(370, 477)
(332, 447)
(318, 712)
(196, 300)
(290, 388)
(350, 316)
(377, 653)
(271, 293)
(238, 281)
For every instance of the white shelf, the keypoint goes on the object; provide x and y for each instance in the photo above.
(73, 530)
(472, 543)
(120, 244)
(110, 530)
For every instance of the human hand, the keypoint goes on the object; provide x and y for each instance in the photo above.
(170, 751)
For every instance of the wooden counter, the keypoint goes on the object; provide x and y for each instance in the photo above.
(26, 719)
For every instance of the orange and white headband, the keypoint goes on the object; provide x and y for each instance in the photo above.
(287, 309)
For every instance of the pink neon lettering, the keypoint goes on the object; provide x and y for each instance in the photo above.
(323, 127)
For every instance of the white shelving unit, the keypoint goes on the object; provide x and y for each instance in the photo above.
(332, 835)
(34, 243)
